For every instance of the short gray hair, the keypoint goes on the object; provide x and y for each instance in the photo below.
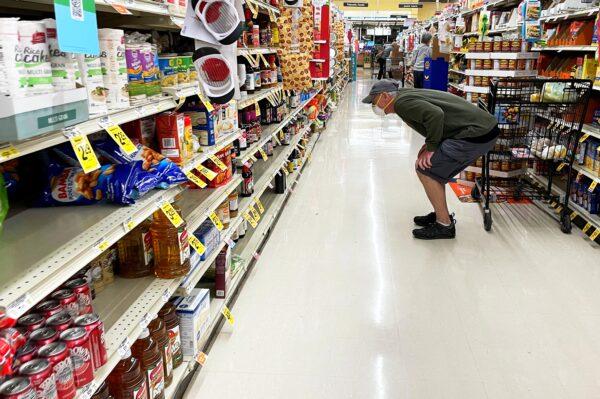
(426, 38)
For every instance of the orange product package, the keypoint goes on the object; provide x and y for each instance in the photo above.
(170, 135)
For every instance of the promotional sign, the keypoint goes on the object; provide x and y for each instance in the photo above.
(355, 4)
(410, 5)
(77, 27)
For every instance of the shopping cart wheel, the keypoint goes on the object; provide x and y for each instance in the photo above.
(487, 220)
(565, 222)
(475, 194)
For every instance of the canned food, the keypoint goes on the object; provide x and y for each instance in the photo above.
(17, 388)
(78, 342)
(183, 67)
(81, 288)
(48, 308)
(487, 47)
(41, 376)
(25, 353)
(506, 46)
(512, 65)
(472, 46)
(192, 73)
(30, 322)
(57, 354)
(95, 328)
(515, 45)
(479, 47)
(497, 47)
(60, 321)
(44, 336)
(487, 64)
(503, 64)
(478, 64)
(68, 301)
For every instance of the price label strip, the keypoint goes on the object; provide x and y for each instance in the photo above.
(595, 235)
(102, 245)
(195, 179)
(209, 174)
(119, 136)
(586, 227)
(257, 108)
(573, 215)
(250, 219)
(263, 154)
(7, 153)
(216, 221)
(218, 162)
(227, 314)
(196, 244)
(207, 104)
(171, 214)
(259, 205)
(254, 213)
(84, 152)
(561, 166)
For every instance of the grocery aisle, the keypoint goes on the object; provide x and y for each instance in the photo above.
(343, 302)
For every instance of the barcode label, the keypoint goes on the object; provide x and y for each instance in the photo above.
(168, 143)
(76, 9)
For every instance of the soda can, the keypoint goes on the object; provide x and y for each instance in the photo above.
(68, 300)
(43, 336)
(60, 321)
(78, 342)
(17, 388)
(81, 288)
(94, 326)
(41, 375)
(57, 354)
(30, 322)
(48, 308)
(25, 353)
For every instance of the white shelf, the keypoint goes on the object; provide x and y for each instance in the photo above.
(182, 92)
(319, 60)
(456, 86)
(566, 48)
(504, 29)
(591, 130)
(498, 173)
(256, 50)
(457, 71)
(251, 99)
(468, 34)
(499, 73)
(587, 172)
(588, 12)
(501, 56)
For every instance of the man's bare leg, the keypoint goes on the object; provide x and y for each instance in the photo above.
(436, 192)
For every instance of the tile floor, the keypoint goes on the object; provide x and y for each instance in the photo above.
(344, 303)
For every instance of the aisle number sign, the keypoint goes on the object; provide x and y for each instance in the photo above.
(84, 152)
(216, 221)
(171, 214)
(195, 179)
(119, 136)
(227, 314)
(196, 244)
(218, 162)
(209, 174)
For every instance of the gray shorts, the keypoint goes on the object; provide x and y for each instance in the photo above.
(453, 156)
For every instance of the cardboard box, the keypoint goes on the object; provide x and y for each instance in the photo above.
(193, 311)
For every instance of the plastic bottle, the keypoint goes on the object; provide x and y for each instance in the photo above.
(168, 314)
(171, 247)
(248, 182)
(126, 381)
(151, 361)
(158, 331)
(136, 255)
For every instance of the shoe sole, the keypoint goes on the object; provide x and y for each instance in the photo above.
(434, 238)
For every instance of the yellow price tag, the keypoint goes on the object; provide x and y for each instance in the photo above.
(559, 209)
(102, 245)
(595, 235)
(586, 227)
(277, 139)
(7, 153)
(218, 162)
(584, 138)
(592, 186)
(119, 136)
(195, 179)
(85, 154)
(553, 204)
(227, 314)
(209, 174)
(201, 358)
(260, 206)
(171, 214)
(561, 166)
(263, 154)
(285, 171)
(257, 108)
(216, 221)
(196, 244)
(207, 104)
(250, 219)
(573, 215)
(254, 213)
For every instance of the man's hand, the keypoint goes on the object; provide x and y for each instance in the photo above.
(424, 159)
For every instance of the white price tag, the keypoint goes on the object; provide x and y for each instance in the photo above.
(166, 295)
(124, 350)
(256, 256)
(104, 122)
(147, 319)
(128, 224)
(88, 391)
(231, 243)
(19, 306)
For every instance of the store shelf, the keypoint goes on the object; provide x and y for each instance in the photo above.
(457, 71)
(467, 34)
(498, 173)
(262, 94)
(319, 60)
(586, 13)
(501, 56)
(182, 92)
(456, 86)
(88, 127)
(566, 48)
(499, 31)
(33, 266)
(499, 73)
(587, 172)
(472, 11)
(256, 50)
(590, 129)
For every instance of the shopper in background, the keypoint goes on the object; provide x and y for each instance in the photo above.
(382, 57)
(422, 51)
(456, 134)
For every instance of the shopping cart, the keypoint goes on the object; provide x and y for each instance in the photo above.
(541, 121)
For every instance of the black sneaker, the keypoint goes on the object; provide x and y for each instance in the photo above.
(435, 231)
(425, 220)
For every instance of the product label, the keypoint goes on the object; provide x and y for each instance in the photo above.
(184, 246)
(47, 388)
(147, 248)
(233, 204)
(156, 380)
(141, 392)
(263, 154)
(171, 214)
(175, 339)
(82, 362)
(250, 219)
(65, 384)
(227, 314)
(168, 354)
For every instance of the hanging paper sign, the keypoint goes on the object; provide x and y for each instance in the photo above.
(77, 26)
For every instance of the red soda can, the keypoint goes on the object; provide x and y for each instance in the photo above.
(41, 375)
(17, 388)
(81, 288)
(94, 326)
(48, 308)
(60, 321)
(78, 342)
(25, 353)
(43, 336)
(30, 322)
(68, 300)
(57, 354)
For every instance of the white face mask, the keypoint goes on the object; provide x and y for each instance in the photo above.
(378, 111)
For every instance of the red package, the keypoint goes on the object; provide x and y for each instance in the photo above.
(223, 177)
(141, 131)
(170, 133)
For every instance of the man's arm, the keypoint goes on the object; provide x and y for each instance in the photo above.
(429, 115)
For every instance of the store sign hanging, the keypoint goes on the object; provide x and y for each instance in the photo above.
(77, 27)
(355, 4)
(410, 5)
